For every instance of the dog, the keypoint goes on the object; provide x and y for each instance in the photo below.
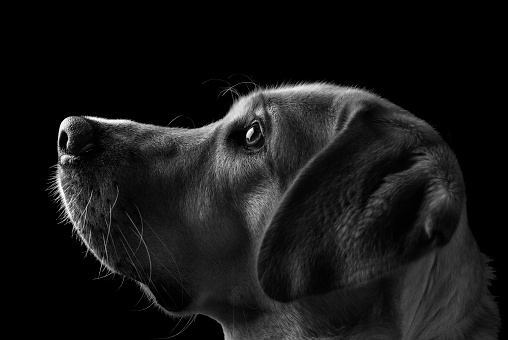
(311, 211)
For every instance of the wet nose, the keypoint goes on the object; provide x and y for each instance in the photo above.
(76, 136)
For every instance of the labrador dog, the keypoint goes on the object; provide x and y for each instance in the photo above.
(308, 212)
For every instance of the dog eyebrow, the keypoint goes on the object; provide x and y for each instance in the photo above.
(258, 100)
(253, 108)
(262, 103)
(259, 108)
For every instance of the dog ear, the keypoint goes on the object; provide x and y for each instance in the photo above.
(383, 192)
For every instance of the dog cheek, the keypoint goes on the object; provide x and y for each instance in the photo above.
(212, 232)
(197, 206)
(258, 206)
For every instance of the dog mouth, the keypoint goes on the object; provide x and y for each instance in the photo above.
(112, 227)
(104, 216)
(91, 206)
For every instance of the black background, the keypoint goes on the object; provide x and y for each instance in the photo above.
(150, 71)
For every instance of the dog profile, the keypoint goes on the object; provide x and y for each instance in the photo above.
(311, 211)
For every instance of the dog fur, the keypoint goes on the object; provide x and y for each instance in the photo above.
(346, 221)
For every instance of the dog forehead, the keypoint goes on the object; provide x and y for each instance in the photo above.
(287, 96)
(245, 105)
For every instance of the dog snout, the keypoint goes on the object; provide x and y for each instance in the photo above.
(75, 137)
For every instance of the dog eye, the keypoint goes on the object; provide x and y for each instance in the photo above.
(254, 138)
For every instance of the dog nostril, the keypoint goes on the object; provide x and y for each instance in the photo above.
(76, 136)
(62, 140)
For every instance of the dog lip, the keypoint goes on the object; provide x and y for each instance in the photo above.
(68, 159)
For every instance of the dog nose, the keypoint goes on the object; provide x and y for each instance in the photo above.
(75, 136)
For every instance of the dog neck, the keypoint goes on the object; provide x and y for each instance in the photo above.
(350, 313)
(411, 308)
(448, 289)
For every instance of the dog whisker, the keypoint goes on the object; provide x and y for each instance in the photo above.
(130, 258)
(172, 329)
(114, 248)
(251, 81)
(84, 212)
(137, 232)
(170, 254)
(63, 217)
(106, 260)
(187, 325)
(141, 233)
(86, 206)
(167, 270)
(87, 242)
(82, 224)
(52, 188)
(106, 257)
(167, 293)
(231, 89)
(150, 304)
(141, 240)
(182, 116)
(224, 89)
(110, 213)
(121, 283)
(73, 200)
(99, 277)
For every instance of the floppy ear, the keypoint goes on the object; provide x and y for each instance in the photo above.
(383, 192)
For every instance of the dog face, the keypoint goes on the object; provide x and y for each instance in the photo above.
(297, 191)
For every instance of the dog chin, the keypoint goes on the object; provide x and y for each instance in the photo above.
(172, 300)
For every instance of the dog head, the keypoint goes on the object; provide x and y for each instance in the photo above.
(297, 190)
